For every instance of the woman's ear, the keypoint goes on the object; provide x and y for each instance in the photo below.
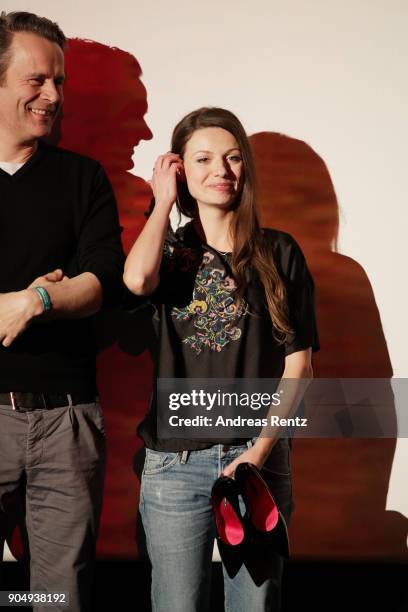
(181, 175)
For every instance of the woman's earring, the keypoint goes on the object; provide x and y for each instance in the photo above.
(181, 175)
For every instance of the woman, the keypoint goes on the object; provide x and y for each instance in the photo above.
(231, 301)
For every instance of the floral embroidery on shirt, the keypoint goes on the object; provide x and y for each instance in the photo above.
(213, 310)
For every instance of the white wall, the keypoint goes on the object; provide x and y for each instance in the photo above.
(332, 73)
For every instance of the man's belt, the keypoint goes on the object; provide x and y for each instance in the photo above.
(26, 402)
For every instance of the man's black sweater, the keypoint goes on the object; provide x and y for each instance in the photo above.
(57, 211)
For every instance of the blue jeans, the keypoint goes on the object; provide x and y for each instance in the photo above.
(175, 505)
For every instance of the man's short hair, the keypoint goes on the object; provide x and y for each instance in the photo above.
(21, 21)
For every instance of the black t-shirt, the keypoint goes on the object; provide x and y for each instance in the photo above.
(203, 332)
(57, 211)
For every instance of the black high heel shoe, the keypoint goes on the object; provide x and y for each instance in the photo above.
(266, 523)
(231, 528)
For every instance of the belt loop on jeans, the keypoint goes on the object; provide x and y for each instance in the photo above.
(184, 457)
(69, 397)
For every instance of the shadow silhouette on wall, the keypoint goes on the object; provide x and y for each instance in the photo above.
(103, 117)
(340, 484)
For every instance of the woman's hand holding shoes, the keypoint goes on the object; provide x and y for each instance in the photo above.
(252, 455)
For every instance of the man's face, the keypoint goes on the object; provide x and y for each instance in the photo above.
(31, 91)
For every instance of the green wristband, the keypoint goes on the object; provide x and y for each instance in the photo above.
(45, 298)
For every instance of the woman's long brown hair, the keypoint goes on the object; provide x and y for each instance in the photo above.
(251, 248)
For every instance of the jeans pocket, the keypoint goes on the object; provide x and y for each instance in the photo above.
(157, 462)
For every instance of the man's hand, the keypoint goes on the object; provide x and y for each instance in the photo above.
(17, 309)
(76, 297)
(71, 298)
(52, 277)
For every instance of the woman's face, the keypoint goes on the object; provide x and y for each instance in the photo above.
(213, 167)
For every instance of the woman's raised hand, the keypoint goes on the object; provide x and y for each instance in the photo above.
(164, 179)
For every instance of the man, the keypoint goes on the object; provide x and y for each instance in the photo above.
(60, 256)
